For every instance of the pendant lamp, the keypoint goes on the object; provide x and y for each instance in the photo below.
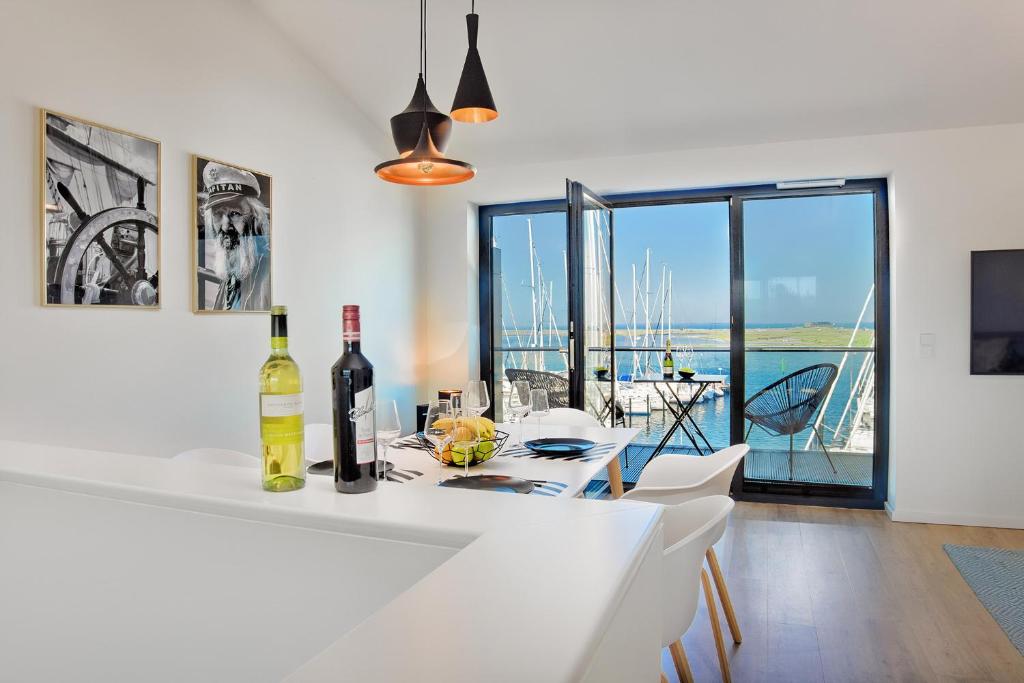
(405, 126)
(473, 100)
(424, 164)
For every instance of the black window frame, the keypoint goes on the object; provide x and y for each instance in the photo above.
(774, 492)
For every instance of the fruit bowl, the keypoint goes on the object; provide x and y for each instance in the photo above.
(463, 445)
(687, 373)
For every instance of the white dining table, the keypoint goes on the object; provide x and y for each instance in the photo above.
(553, 476)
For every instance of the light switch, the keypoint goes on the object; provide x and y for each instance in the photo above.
(927, 345)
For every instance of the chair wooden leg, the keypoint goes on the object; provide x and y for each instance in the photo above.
(663, 679)
(681, 662)
(716, 628)
(615, 477)
(723, 596)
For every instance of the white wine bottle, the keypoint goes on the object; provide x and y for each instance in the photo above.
(281, 422)
(667, 365)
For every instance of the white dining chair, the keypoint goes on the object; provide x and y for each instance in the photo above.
(672, 479)
(565, 416)
(218, 456)
(690, 530)
(319, 442)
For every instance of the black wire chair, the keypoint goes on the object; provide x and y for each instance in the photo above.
(556, 385)
(787, 406)
(558, 390)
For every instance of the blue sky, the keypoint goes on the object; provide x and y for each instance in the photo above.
(806, 259)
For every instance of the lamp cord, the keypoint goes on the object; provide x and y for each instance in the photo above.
(423, 56)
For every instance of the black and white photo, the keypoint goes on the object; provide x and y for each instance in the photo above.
(232, 246)
(100, 214)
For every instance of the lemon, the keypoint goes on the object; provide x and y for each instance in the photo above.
(485, 450)
(462, 452)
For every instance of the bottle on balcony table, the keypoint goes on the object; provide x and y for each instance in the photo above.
(667, 365)
(281, 420)
(355, 448)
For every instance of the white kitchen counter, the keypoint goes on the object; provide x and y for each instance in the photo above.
(496, 586)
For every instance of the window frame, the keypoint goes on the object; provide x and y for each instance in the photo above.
(809, 494)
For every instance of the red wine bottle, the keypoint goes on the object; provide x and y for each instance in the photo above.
(355, 448)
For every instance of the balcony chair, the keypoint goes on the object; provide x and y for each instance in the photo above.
(218, 456)
(556, 385)
(690, 530)
(557, 388)
(673, 479)
(786, 407)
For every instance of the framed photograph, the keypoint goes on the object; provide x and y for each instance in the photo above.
(231, 244)
(100, 215)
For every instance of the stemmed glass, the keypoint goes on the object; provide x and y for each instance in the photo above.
(519, 404)
(539, 405)
(433, 428)
(389, 428)
(475, 400)
(465, 437)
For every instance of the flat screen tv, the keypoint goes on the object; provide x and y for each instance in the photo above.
(997, 312)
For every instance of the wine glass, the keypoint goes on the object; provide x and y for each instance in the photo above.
(438, 410)
(539, 405)
(389, 428)
(519, 404)
(465, 438)
(475, 398)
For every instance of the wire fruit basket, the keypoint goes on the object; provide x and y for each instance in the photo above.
(456, 453)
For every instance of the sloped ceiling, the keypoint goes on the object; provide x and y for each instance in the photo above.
(589, 78)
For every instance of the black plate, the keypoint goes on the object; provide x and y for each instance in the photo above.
(490, 482)
(560, 446)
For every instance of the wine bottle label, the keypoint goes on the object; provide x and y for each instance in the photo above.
(280, 405)
(362, 416)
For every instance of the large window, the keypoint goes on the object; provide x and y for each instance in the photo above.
(784, 293)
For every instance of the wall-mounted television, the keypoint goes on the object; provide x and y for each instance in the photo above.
(997, 312)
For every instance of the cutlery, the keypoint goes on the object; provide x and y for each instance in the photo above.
(550, 483)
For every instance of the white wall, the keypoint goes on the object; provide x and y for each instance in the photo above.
(211, 77)
(956, 450)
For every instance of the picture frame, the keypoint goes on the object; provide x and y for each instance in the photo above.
(100, 214)
(232, 256)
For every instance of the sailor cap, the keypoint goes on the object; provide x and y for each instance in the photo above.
(224, 183)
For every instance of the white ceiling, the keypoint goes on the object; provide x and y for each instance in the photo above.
(588, 78)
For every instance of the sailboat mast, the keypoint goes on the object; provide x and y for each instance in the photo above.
(647, 306)
(670, 303)
(533, 286)
(632, 325)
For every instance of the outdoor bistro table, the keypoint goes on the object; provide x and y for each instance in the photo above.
(668, 390)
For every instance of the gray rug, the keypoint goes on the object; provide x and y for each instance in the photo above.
(997, 578)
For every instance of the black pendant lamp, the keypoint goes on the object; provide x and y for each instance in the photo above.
(423, 164)
(473, 100)
(405, 127)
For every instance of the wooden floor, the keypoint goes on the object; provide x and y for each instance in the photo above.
(824, 594)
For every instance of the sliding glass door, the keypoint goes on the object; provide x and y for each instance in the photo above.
(672, 297)
(810, 341)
